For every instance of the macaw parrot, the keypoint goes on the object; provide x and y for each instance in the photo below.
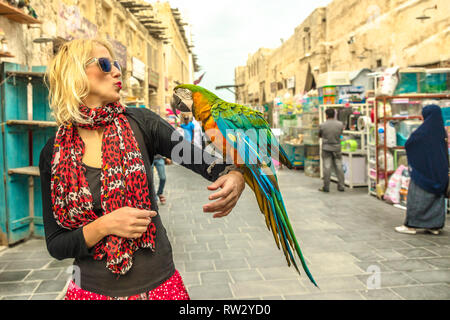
(243, 135)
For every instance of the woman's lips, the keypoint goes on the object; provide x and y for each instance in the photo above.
(119, 84)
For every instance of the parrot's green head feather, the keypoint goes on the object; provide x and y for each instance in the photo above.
(193, 88)
(183, 97)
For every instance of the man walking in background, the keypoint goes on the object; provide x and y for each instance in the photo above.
(188, 128)
(330, 131)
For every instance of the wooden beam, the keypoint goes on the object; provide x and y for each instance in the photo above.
(31, 123)
(28, 171)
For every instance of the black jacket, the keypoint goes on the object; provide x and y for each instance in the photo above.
(154, 136)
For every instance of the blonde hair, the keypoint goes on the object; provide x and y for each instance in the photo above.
(67, 80)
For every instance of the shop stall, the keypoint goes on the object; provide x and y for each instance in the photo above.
(310, 123)
(345, 92)
(398, 112)
(291, 131)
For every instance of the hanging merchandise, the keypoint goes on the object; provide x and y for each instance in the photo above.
(389, 81)
(404, 187)
(392, 194)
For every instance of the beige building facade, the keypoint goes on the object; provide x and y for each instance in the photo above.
(177, 62)
(149, 40)
(348, 35)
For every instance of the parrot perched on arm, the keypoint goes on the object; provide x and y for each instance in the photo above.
(243, 135)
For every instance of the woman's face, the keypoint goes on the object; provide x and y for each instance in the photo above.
(104, 87)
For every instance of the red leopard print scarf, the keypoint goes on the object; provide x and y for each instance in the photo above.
(123, 176)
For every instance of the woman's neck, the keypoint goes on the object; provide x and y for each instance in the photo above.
(91, 134)
(93, 102)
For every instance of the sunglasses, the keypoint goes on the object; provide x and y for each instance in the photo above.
(105, 64)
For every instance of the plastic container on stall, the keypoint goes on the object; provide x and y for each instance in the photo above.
(381, 135)
(405, 128)
(391, 137)
(409, 80)
(436, 81)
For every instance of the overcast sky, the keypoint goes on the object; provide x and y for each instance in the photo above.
(226, 32)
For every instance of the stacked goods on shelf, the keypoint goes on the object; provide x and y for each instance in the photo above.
(328, 94)
(400, 97)
(350, 94)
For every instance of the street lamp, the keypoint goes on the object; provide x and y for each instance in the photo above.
(425, 17)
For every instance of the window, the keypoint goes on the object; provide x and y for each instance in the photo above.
(379, 63)
(107, 19)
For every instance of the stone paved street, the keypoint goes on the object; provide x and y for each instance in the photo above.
(348, 240)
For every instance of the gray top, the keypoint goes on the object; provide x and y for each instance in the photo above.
(330, 131)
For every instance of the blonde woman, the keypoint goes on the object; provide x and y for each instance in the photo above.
(98, 196)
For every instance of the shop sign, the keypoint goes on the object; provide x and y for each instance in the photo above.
(138, 69)
(153, 78)
(290, 83)
(72, 25)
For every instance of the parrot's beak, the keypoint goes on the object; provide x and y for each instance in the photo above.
(178, 104)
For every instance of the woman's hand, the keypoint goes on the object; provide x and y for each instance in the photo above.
(127, 222)
(232, 185)
(124, 222)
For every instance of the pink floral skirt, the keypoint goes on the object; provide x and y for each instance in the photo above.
(172, 289)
